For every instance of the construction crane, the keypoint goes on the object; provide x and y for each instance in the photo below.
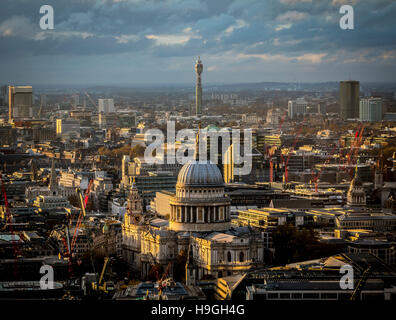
(271, 164)
(289, 154)
(39, 112)
(315, 178)
(70, 244)
(67, 246)
(282, 120)
(107, 286)
(41, 105)
(163, 280)
(271, 152)
(15, 244)
(90, 99)
(355, 144)
(349, 155)
(360, 284)
(83, 203)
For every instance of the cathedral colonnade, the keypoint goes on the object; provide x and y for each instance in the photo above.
(199, 213)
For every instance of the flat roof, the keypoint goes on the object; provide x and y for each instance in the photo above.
(220, 237)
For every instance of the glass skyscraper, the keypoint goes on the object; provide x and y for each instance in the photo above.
(370, 109)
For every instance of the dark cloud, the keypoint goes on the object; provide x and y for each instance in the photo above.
(233, 34)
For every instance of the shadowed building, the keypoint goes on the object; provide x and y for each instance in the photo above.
(349, 99)
(20, 103)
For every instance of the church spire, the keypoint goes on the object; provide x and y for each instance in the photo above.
(191, 273)
(52, 182)
(134, 200)
(356, 171)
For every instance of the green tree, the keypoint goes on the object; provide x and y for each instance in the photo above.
(292, 245)
(74, 200)
(137, 151)
(180, 267)
(103, 151)
(155, 272)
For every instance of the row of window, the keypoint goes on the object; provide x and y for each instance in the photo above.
(241, 256)
(191, 193)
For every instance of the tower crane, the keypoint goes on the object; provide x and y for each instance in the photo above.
(39, 112)
(271, 152)
(289, 154)
(162, 282)
(315, 177)
(8, 218)
(90, 99)
(355, 144)
(83, 203)
(70, 243)
(361, 284)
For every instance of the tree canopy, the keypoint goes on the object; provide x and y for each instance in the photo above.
(125, 150)
(292, 245)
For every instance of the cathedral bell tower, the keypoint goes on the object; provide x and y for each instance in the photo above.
(356, 196)
(134, 203)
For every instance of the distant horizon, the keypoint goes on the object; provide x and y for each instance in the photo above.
(191, 84)
(189, 89)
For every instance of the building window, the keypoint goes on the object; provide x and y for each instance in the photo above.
(229, 256)
(200, 217)
(332, 296)
(311, 295)
(241, 257)
(296, 295)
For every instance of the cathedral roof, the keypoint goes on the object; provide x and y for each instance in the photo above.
(200, 173)
(220, 237)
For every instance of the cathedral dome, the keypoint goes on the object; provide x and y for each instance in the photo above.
(199, 174)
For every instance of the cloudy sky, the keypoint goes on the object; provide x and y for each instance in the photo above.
(130, 42)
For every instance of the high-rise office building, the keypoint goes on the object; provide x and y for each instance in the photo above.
(20, 102)
(198, 89)
(322, 108)
(297, 108)
(370, 109)
(3, 95)
(349, 99)
(76, 100)
(43, 101)
(108, 120)
(106, 105)
(67, 127)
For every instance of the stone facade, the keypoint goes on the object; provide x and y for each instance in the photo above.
(356, 195)
(199, 224)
